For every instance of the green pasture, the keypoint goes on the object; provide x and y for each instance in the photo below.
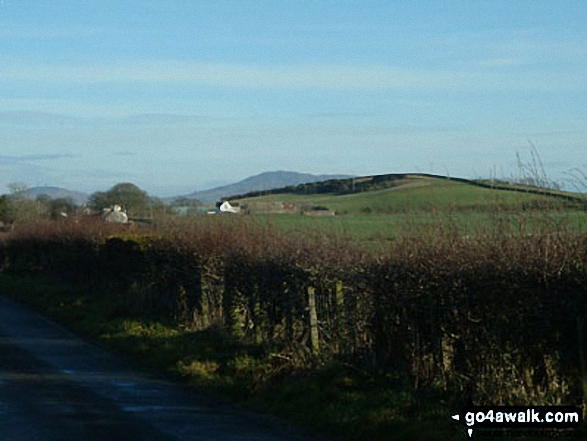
(381, 227)
(422, 194)
(418, 203)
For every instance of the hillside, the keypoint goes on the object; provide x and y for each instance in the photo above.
(77, 197)
(262, 182)
(404, 193)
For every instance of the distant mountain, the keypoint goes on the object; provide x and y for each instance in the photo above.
(263, 181)
(56, 192)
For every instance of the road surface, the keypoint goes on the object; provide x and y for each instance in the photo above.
(56, 386)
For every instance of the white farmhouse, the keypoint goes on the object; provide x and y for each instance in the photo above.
(227, 208)
(114, 215)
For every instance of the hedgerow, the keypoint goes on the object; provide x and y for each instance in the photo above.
(500, 316)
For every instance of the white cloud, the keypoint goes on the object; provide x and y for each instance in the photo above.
(509, 48)
(33, 158)
(65, 108)
(306, 76)
(28, 32)
(34, 33)
(503, 62)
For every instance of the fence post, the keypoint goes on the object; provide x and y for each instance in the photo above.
(340, 321)
(205, 291)
(339, 298)
(314, 340)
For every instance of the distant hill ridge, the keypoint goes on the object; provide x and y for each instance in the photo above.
(280, 182)
(261, 182)
(378, 182)
(77, 197)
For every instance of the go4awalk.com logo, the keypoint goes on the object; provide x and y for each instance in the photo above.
(533, 418)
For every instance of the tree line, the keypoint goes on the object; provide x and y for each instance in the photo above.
(18, 206)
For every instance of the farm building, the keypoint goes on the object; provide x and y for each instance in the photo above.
(225, 207)
(275, 207)
(114, 215)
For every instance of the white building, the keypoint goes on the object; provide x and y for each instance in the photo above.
(114, 215)
(227, 208)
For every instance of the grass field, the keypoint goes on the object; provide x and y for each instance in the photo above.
(421, 194)
(381, 227)
(421, 202)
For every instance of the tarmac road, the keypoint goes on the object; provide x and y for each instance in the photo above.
(56, 386)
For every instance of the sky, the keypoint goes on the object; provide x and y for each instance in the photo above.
(183, 95)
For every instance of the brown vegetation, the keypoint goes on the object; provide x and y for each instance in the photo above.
(500, 315)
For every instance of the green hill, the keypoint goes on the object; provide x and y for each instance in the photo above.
(390, 194)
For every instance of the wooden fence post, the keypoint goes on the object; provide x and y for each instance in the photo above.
(205, 291)
(314, 339)
(339, 298)
(340, 321)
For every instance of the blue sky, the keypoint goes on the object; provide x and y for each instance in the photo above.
(178, 96)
